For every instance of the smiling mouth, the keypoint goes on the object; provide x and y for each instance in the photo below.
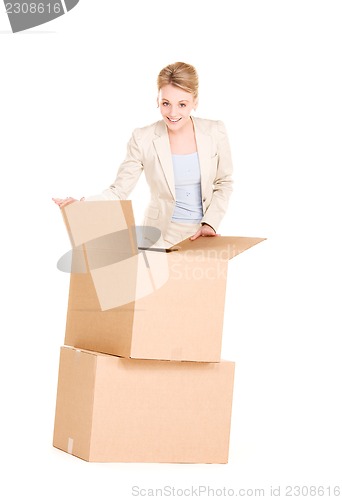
(173, 121)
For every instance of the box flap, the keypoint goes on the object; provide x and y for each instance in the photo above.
(87, 221)
(220, 247)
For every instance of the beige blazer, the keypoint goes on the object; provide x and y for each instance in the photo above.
(149, 150)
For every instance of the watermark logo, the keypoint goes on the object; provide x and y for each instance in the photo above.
(25, 15)
(123, 265)
(129, 264)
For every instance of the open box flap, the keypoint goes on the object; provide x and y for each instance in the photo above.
(87, 221)
(226, 247)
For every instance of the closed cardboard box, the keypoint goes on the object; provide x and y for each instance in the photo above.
(140, 302)
(112, 409)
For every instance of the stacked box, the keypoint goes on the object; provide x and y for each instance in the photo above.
(112, 409)
(141, 377)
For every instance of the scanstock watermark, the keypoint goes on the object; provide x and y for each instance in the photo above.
(272, 491)
(127, 265)
(204, 491)
(25, 15)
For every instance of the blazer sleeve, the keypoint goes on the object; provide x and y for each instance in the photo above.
(223, 183)
(128, 173)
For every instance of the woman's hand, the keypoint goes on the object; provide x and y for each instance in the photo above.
(63, 202)
(204, 230)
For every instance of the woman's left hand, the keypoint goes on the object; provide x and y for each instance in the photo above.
(204, 230)
(63, 202)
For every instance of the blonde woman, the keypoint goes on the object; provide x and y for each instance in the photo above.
(186, 161)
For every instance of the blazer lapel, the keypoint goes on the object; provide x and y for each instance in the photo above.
(204, 146)
(162, 145)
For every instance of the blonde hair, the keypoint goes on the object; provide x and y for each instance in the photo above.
(181, 75)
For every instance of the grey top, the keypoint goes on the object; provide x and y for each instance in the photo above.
(187, 177)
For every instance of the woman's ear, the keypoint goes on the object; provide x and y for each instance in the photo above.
(195, 104)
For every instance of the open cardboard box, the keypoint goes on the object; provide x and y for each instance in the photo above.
(112, 409)
(144, 302)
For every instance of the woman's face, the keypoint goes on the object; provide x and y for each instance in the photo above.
(175, 106)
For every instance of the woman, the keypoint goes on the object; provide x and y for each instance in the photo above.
(186, 160)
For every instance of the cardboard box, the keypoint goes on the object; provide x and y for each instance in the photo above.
(112, 409)
(144, 303)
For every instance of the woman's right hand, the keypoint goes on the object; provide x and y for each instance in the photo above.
(63, 202)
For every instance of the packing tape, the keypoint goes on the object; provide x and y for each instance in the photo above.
(154, 288)
(70, 445)
(176, 354)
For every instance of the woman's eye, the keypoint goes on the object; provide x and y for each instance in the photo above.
(165, 103)
(182, 105)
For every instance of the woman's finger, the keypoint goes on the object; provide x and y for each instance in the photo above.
(196, 235)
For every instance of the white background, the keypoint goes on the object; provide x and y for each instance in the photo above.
(71, 93)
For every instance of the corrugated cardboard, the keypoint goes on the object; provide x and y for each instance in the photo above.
(112, 409)
(147, 304)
